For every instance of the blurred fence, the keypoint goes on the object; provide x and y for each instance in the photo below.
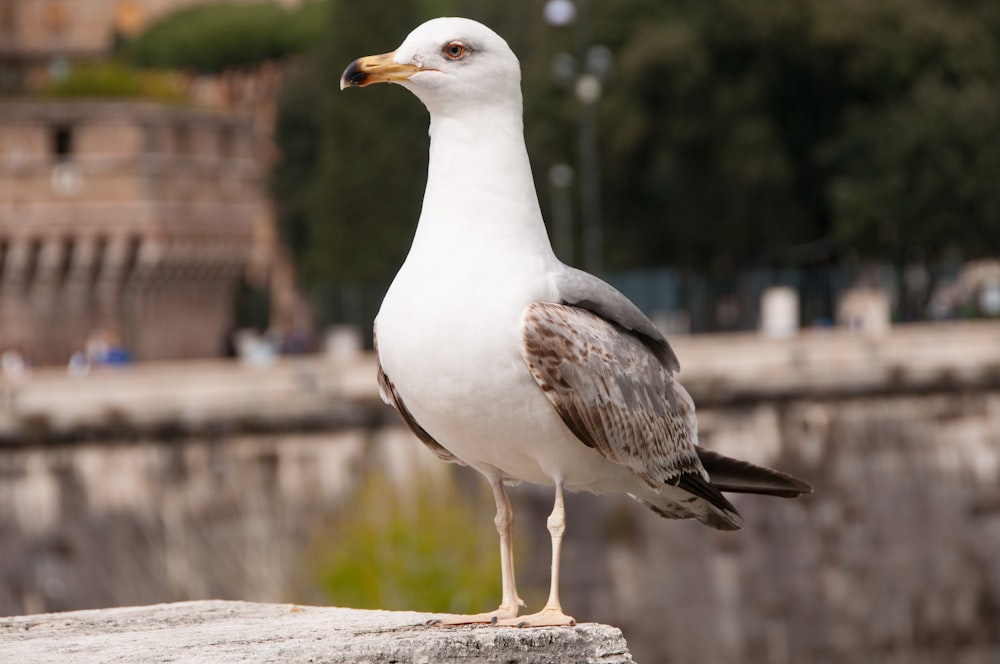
(730, 302)
(684, 301)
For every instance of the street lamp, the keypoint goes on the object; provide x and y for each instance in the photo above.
(559, 12)
(584, 73)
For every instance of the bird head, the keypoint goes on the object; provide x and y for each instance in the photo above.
(453, 60)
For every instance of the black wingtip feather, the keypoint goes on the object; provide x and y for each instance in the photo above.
(697, 485)
(728, 474)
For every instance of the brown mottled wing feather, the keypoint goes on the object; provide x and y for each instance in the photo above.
(612, 391)
(585, 291)
(389, 395)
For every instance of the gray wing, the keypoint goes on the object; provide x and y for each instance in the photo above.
(613, 393)
(584, 290)
(390, 396)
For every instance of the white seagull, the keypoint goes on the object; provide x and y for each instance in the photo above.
(499, 356)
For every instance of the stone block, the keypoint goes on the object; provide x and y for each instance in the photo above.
(222, 632)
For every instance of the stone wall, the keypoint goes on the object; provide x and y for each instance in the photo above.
(140, 521)
(143, 494)
(893, 559)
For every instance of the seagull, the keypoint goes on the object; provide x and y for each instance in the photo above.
(499, 356)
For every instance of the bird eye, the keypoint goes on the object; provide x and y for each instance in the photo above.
(455, 50)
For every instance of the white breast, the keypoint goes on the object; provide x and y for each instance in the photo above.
(452, 348)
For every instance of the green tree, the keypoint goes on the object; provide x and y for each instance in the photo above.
(734, 133)
(915, 162)
(745, 132)
(373, 155)
(356, 197)
(215, 37)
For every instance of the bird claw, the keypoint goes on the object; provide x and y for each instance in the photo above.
(544, 618)
(492, 618)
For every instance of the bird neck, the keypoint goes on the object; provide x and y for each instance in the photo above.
(480, 193)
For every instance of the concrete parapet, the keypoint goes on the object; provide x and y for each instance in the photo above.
(220, 632)
(341, 391)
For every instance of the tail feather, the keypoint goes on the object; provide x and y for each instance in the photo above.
(728, 474)
(691, 496)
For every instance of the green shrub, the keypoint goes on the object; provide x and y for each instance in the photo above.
(113, 79)
(430, 548)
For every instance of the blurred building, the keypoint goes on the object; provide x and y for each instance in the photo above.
(124, 215)
(133, 216)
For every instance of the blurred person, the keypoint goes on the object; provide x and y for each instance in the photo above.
(13, 364)
(255, 349)
(104, 347)
(945, 301)
(79, 363)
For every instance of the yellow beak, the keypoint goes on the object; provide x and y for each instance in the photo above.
(376, 69)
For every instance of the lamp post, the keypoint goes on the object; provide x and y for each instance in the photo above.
(584, 73)
(560, 181)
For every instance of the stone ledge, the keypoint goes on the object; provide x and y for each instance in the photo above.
(222, 632)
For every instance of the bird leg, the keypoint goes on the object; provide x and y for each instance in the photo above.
(510, 603)
(552, 614)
